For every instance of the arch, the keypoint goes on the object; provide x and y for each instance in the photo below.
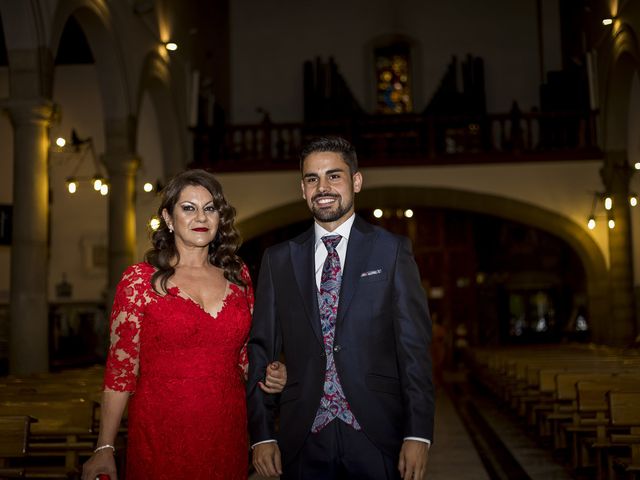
(156, 80)
(99, 25)
(25, 34)
(508, 209)
(23, 24)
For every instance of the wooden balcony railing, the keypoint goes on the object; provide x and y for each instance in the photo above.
(406, 140)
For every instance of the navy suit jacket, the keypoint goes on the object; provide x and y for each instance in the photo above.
(382, 341)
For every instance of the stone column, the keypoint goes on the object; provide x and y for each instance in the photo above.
(29, 309)
(122, 165)
(616, 175)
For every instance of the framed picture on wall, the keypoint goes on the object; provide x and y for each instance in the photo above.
(94, 248)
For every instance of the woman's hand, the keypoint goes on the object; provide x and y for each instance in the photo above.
(101, 462)
(275, 378)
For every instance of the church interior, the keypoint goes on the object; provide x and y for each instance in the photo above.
(501, 137)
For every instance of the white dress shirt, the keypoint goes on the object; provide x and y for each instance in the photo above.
(321, 250)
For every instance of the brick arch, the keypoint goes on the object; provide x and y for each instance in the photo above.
(573, 234)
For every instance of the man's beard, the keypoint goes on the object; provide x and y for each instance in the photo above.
(332, 214)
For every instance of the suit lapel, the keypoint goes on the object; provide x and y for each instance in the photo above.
(358, 251)
(302, 260)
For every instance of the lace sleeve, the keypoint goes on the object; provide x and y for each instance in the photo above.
(243, 361)
(121, 371)
(249, 288)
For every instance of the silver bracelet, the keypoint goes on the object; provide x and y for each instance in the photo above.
(103, 447)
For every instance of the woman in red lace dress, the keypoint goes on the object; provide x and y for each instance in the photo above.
(179, 324)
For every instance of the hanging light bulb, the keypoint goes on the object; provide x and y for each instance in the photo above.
(148, 187)
(377, 213)
(154, 223)
(608, 202)
(72, 185)
(633, 199)
(607, 21)
(591, 224)
(104, 189)
(612, 223)
(171, 46)
(97, 182)
(408, 213)
(61, 142)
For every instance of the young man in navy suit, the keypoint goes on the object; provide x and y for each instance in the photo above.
(344, 302)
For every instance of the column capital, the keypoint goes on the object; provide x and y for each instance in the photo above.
(616, 171)
(31, 111)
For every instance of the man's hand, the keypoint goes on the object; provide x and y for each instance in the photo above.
(275, 378)
(413, 460)
(266, 459)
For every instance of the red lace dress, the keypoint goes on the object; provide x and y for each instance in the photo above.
(184, 370)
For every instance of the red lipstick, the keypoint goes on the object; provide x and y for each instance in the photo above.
(200, 229)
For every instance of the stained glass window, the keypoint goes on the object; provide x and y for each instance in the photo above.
(393, 79)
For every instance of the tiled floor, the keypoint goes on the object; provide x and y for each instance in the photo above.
(452, 455)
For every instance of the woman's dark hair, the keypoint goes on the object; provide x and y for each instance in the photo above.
(222, 251)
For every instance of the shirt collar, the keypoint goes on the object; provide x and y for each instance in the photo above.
(343, 230)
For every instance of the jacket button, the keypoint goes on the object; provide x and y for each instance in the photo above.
(337, 348)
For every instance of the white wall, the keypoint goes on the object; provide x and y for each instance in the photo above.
(78, 220)
(565, 188)
(271, 40)
(81, 219)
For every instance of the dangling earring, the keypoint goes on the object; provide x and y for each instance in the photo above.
(171, 228)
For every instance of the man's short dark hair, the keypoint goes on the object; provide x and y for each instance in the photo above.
(331, 144)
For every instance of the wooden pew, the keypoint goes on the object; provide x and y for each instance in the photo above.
(14, 452)
(63, 428)
(539, 383)
(565, 402)
(591, 420)
(624, 410)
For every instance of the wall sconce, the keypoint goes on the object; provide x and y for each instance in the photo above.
(151, 187)
(81, 148)
(591, 221)
(607, 203)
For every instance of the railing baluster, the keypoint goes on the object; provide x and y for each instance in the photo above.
(405, 139)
